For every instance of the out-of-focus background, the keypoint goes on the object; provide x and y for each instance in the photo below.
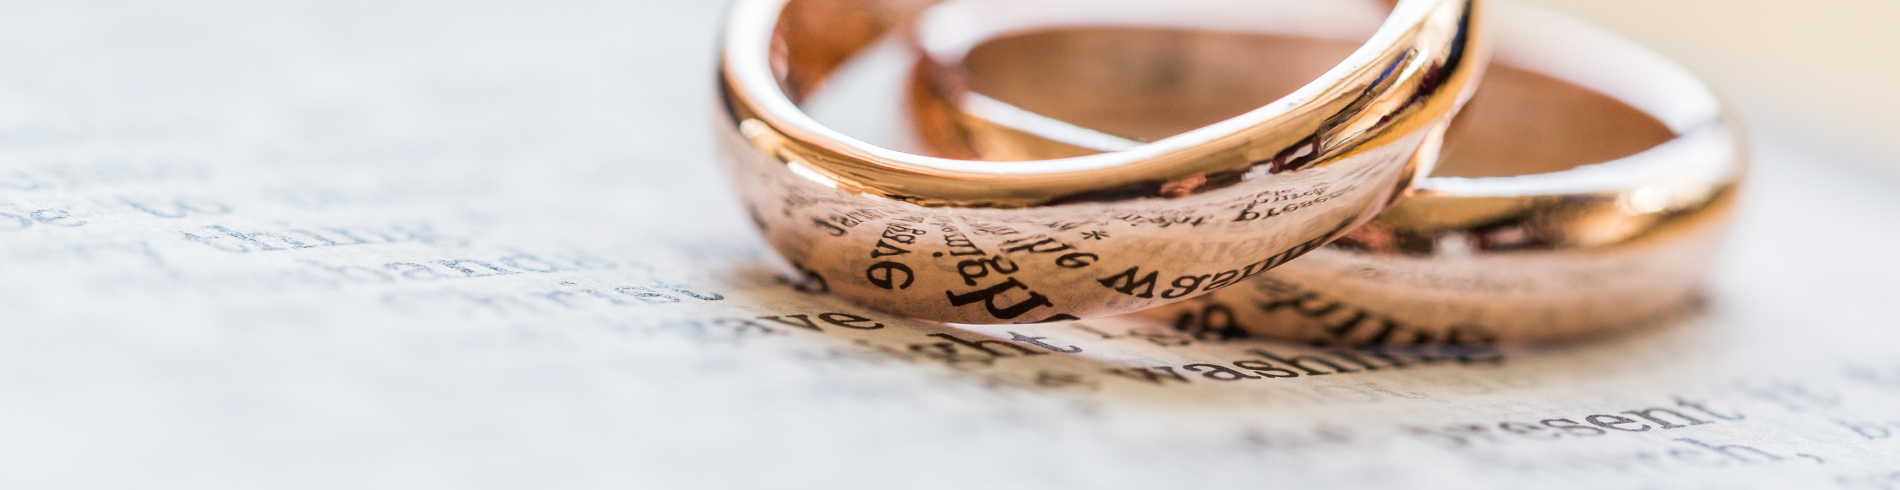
(1823, 75)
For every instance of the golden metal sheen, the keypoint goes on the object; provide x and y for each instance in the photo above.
(1583, 191)
(970, 241)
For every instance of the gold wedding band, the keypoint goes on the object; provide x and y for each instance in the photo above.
(971, 241)
(1584, 191)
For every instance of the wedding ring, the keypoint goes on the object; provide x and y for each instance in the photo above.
(1584, 190)
(970, 241)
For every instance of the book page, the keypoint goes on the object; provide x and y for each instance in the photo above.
(410, 244)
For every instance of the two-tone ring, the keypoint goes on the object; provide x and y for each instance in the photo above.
(1584, 191)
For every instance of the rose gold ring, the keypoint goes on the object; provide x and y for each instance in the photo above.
(972, 241)
(1584, 190)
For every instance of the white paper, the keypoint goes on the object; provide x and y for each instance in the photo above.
(249, 245)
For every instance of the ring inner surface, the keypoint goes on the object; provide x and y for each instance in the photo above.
(1145, 84)
(815, 37)
(1522, 122)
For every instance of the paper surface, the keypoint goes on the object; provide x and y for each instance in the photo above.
(453, 245)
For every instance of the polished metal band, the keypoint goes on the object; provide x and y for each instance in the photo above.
(971, 241)
(1597, 181)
